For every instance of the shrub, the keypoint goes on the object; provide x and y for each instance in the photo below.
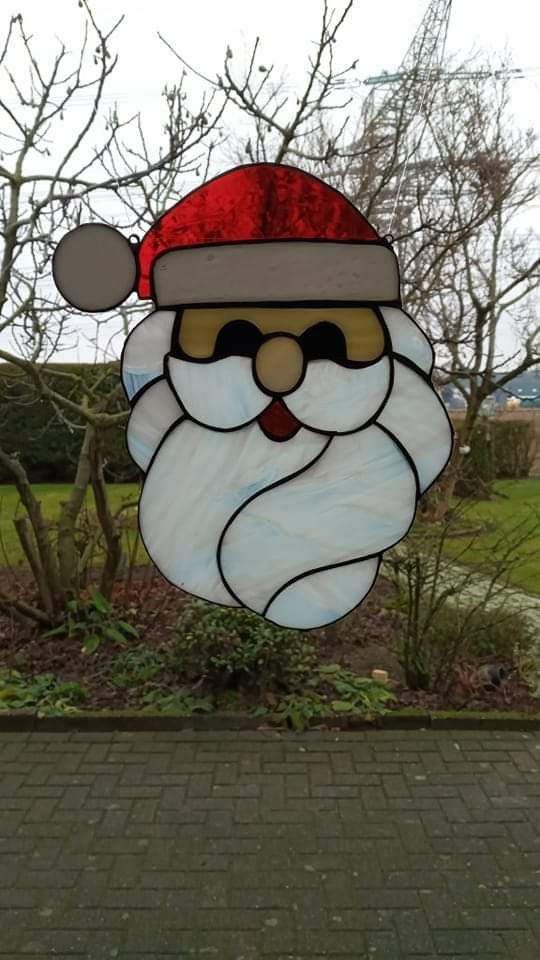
(459, 630)
(44, 693)
(450, 610)
(527, 660)
(236, 648)
(500, 450)
(93, 621)
(515, 442)
(136, 666)
(484, 631)
(297, 710)
(356, 694)
(47, 446)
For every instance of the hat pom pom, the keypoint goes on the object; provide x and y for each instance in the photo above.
(94, 267)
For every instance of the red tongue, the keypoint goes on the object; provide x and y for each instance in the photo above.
(278, 422)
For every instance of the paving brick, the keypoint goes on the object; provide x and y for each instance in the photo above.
(376, 844)
(416, 879)
(470, 943)
(395, 786)
(522, 944)
(382, 945)
(348, 943)
(413, 931)
(414, 838)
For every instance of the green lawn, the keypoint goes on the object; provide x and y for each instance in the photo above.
(519, 503)
(50, 496)
(521, 498)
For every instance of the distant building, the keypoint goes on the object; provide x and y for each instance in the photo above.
(451, 397)
(523, 389)
(526, 389)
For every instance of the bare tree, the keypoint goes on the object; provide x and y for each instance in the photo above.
(58, 167)
(457, 206)
(479, 277)
(276, 125)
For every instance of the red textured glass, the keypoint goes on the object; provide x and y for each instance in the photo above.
(256, 202)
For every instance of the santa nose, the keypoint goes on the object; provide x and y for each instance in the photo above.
(279, 364)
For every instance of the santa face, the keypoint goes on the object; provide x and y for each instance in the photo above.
(287, 430)
(325, 368)
(285, 449)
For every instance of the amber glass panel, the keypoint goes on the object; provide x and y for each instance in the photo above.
(360, 327)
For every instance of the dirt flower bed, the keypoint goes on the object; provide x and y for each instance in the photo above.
(365, 640)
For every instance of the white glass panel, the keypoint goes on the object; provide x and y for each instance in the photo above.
(407, 338)
(358, 499)
(222, 394)
(196, 482)
(416, 416)
(323, 597)
(153, 414)
(338, 398)
(144, 350)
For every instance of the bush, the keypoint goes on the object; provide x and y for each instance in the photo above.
(458, 630)
(527, 659)
(93, 621)
(47, 446)
(484, 631)
(515, 442)
(449, 610)
(226, 647)
(500, 450)
(44, 693)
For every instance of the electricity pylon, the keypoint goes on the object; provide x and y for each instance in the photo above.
(397, 108)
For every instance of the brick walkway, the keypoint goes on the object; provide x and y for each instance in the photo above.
(376, 845)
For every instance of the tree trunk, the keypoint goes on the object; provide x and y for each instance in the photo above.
(45, 559)
(68, 554)
(32, 555)
(439, 499)
(109, 527)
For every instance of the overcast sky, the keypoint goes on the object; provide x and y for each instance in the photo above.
(376, 34)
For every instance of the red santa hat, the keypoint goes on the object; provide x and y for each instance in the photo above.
(264, 233)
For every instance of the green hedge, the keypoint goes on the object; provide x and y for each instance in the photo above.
(47, 443)
(515, 448)
(500, 450)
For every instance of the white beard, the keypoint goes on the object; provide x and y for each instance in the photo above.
(255, 515)
(293, 530)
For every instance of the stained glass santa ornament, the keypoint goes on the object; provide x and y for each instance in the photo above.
(282, 410)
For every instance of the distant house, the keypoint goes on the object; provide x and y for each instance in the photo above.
(451, 397)
(525, 388)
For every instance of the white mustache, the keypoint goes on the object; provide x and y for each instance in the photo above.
(149, 341)
(340, 399)
(221, 394)
(332, 398)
